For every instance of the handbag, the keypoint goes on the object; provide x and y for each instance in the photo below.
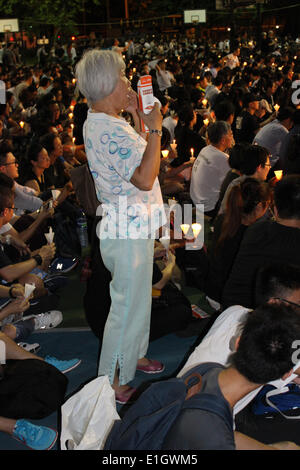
(88, 416)
(84, 187)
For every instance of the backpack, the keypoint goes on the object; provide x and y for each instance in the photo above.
(66, 237)
(148, 421)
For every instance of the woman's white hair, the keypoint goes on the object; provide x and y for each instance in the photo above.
(98, 73)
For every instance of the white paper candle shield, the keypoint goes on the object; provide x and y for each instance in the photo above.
(29, 288)
(55, 193)
(185, 228)
(278, 174)
(196, 229)
(49, 236)
(173, 145)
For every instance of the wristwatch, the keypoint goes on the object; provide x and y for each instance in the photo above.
(156, 131)
(38, 259)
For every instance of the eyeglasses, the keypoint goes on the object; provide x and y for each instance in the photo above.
(287, 301)
(11, 163)
(10, 207)
(268, 164)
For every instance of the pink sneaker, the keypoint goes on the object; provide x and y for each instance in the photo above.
(155, 367)
(125, 397)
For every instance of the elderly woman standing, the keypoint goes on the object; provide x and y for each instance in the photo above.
(124, 167)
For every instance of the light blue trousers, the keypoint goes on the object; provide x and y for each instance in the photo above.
(126, 333)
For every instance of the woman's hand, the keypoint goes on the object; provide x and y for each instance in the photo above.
(133, 102)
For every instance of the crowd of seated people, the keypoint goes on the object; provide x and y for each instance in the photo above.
(225, 140)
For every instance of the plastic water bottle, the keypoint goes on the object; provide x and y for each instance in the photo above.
(82, 230)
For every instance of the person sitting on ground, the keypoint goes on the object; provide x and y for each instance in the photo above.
(21, 271)
(27, 231)
(186, 137)
(236, 157)
(262, 353)
(247, 202)
(25, 199)
(224, 111)
(211, 167)
(43, 374)
(273, 135)
(274, 283)
(38, 161)
(254, 163)
(56, 175)
(266, 241)
(246, 123)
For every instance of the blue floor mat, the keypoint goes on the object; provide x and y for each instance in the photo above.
(67, 344)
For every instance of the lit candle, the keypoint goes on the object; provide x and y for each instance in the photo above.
(206, 122)
(22, 124)
(165, 153)
(72, 108)
(192, 153)
(70, 115)
(276, 107)
(204, 102)
(134, 69)
(185, 228)
(245, 64)
(171, 202)
(173, 145)
(74, 81)
(196, 229)
(73, 139)
(278, 174)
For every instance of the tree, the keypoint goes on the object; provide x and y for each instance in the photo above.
(42, 15)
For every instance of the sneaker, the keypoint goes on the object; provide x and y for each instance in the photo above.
(51, 319)
(32, 348)
(54, 282)
(33, 436)
(63, 265)
(63, 366)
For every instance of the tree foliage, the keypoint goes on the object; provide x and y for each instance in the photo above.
(42, 14)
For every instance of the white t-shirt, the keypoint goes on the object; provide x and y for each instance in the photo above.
(232, 61)
(164, 78)
(208, 173)
(219, 344)
(114, 150)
